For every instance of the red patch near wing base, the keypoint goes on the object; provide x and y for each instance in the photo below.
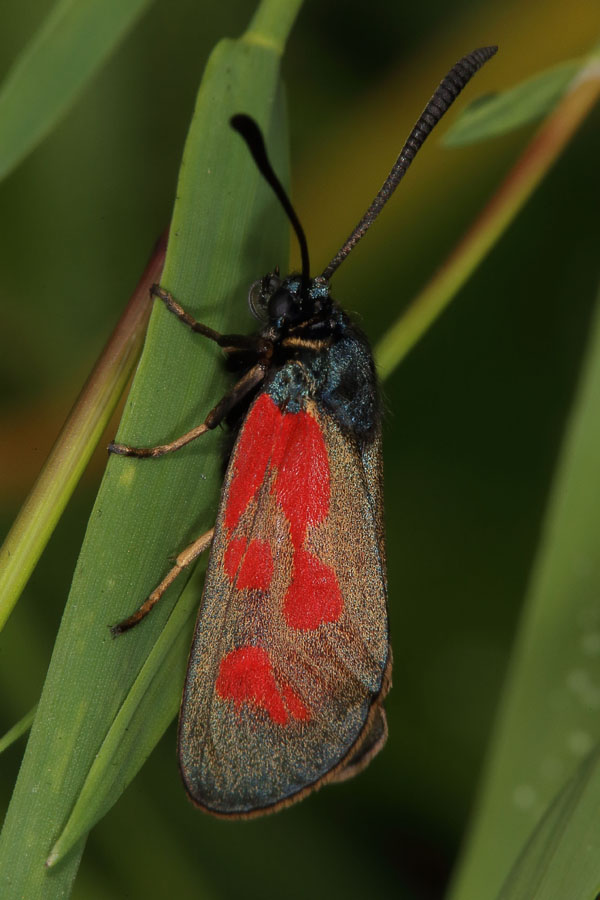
(302, 483)
(292, 444)
(254, 451)
(246, 676)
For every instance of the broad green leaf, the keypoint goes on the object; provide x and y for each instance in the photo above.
(561, 859)
(527, 102)
(141, 721)
(549, 718)
(50, 73)
(227, 229)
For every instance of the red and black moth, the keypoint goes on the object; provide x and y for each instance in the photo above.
(290, 662)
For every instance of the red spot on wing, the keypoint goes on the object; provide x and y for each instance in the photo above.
(246, 676)
(252, 454)
(291, 444)
(249, 565)
(302, 483)
(314, 596)
(233, 556)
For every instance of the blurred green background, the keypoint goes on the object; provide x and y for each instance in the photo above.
(474, 422)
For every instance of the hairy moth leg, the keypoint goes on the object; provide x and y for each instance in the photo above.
(229, 342)
(246, 384)
(182, 561)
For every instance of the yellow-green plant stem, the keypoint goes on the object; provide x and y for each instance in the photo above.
(75, 444)
(271, 24)
(543, 150)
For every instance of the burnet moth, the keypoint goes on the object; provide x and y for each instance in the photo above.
(290, 661)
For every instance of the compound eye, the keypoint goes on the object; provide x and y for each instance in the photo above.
(259, 294)
(256, 300)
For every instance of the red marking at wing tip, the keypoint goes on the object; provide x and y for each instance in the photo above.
(246, 676)
(249, 565)
(314, 596)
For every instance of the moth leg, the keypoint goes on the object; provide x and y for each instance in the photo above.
(247, 383)
(229, 342)
(182, 561)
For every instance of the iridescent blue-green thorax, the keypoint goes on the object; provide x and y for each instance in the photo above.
(318, 352)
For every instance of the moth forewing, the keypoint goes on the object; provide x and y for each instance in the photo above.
(279, 699)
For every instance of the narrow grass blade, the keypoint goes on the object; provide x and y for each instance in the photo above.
(549, 716)
(538, 157)
(19, 729)
(526, 102)
(51, 72)
(76, 442)
(226, 230)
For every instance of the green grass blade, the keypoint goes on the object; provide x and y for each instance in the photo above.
(51, 72)
(138, 726)
(526, 102)
(549, 717)
(227, 229)
(561, 859)
(79, 436)
(19, 729)
(545, 146)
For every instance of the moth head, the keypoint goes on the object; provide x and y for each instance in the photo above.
(285, 302)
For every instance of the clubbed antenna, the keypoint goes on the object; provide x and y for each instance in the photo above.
(445, 95)
(249, 130)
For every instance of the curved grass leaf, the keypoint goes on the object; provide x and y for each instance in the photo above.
(78, 438)
(51, 72)
(537, 158)
(561, 859)
(227, 229)
(500, 113)
(549, 717)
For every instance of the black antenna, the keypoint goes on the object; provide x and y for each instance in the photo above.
(445, 95)
(249, 130)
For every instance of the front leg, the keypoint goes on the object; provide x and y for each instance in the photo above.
(240, 390)
(229, 342)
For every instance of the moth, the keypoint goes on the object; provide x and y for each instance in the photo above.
(290, 661)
